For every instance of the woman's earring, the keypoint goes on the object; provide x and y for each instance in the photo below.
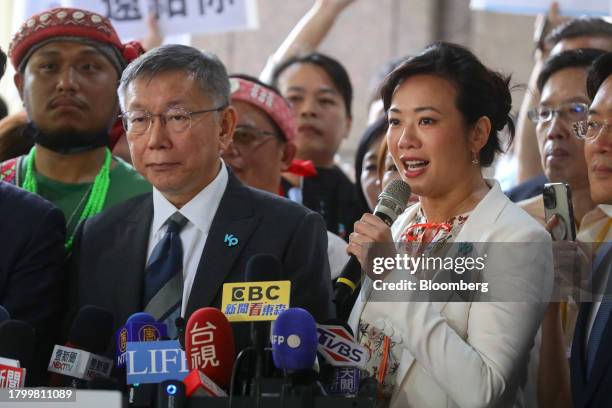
(475, 158)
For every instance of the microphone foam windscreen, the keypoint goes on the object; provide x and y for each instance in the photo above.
(141, 317)
(263, 267)
(209, 345)
(4, 314)
(294, 340)
(91, 329)
(17, 341)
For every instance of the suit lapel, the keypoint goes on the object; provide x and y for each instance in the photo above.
(235, 219)
(132, 242)
(578, 356)
(604, 351)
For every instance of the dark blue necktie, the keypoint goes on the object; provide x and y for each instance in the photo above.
(603, 314)
(163, 289)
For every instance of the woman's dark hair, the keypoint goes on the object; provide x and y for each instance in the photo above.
(334, 69)
(579, 58)
(371, 134)
(2, 63)
(598, 73)
(480, 91)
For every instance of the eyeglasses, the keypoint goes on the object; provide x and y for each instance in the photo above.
(177, 120)
(249, 138)
(590, 129)
(571, 112)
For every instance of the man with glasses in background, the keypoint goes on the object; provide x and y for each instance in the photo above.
(170, 252)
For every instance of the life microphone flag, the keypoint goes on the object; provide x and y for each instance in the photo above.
(138, 328)
(209, 344)
(79, 364)
(155, 361)
(294, 340)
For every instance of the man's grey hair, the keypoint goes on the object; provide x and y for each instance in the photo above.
(206, 68)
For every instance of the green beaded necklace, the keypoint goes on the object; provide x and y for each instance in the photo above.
(97, 197)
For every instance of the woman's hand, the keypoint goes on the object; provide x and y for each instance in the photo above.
(368, 230)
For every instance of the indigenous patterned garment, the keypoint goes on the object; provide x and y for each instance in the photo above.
(384, 351)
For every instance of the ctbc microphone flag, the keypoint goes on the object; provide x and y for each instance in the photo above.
(255, 301)
(209, 344)
(79, 364)
(294, 340)
(139, 327)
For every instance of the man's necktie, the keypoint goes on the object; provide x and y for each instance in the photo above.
(163, 289)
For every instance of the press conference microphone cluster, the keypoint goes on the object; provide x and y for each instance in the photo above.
(391, 203)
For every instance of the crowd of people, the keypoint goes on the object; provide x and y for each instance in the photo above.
(130, 167)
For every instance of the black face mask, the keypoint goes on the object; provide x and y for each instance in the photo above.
(67, 142)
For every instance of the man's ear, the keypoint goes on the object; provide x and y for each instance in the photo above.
(229, 119)
(19, 80)
(289, 150)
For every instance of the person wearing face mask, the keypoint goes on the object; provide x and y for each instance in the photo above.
(445, 113)
(68, 63)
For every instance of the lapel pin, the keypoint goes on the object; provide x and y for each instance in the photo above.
(230, 240)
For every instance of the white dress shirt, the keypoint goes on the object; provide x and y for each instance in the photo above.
(199, 211)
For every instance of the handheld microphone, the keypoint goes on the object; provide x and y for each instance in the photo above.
(17, 344)
(209, 345)
(79, 360)
(294, 345)
(391, 203)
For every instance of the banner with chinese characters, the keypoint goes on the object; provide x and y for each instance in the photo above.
(573, 8)
(175, 16)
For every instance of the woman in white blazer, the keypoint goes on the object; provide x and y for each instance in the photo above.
(445, 110)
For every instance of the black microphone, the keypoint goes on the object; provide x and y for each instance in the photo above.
(261, 268)
(88, 339)
(17, 345)
(171, 394)
(391, 203)
(4, 314)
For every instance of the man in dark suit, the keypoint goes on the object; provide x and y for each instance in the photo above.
(591, 357)
(170, 252)
(32, 235)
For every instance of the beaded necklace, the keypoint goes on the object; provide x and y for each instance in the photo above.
(97, 196)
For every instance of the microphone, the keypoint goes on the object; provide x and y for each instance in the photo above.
(209, 345)
(138, 327)
(344, 358)
(391, 203)
(261, 267)
(171, 394)
(17, 344)
(4, 314)
(294, 345)
(79, 360)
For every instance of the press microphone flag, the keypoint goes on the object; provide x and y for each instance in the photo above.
(79, 364)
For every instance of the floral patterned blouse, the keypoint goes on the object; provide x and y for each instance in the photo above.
(385, 354)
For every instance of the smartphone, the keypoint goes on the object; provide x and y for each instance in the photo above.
(558, 200)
